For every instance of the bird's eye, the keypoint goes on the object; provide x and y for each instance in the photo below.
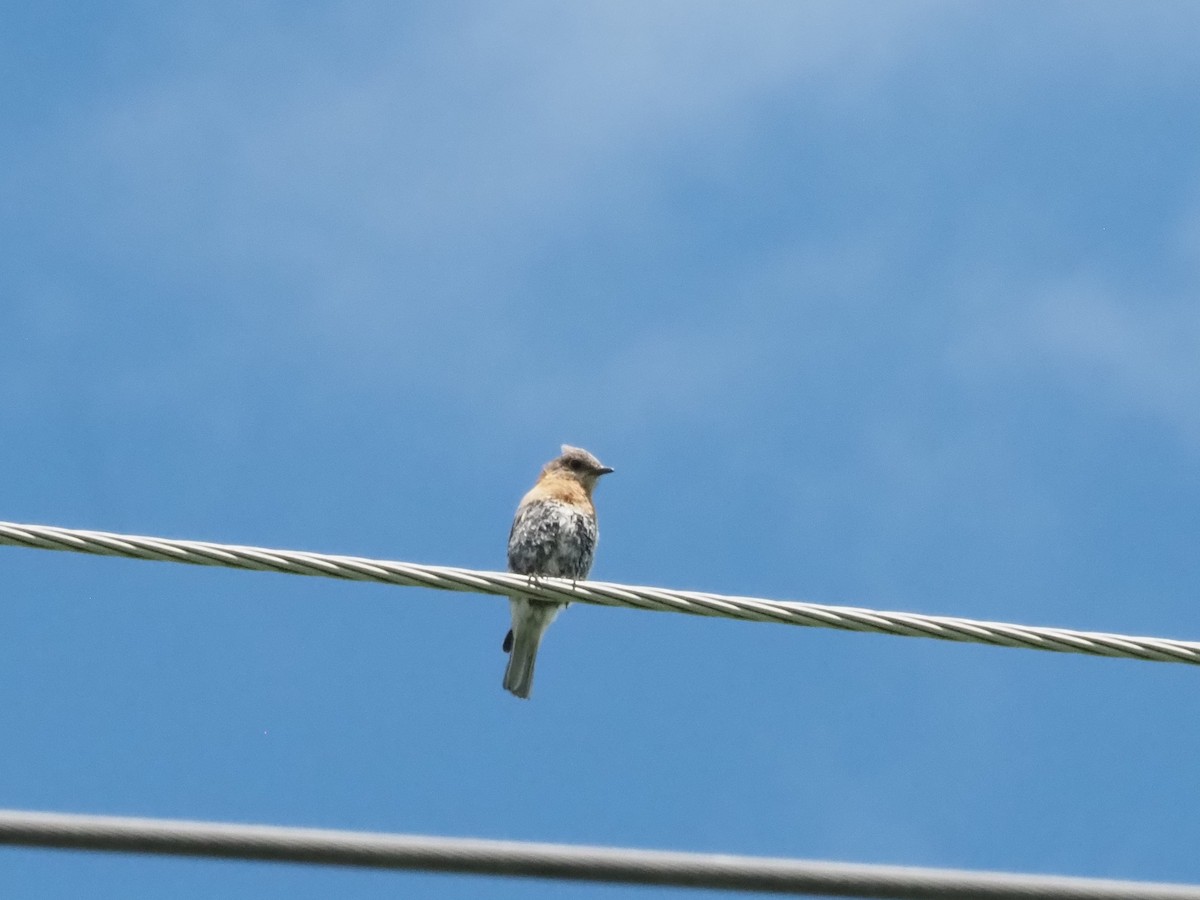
(574, 464)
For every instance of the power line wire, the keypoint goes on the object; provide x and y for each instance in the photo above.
(558, 861)
(844, 618)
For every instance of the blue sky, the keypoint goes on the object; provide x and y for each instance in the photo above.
(890, 305)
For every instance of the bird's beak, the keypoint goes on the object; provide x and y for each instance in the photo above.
(604, 470)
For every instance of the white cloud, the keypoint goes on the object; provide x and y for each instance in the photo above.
(1141, 355)
(390, 201)
(264, 148)
(1130, 346)
(386, 197)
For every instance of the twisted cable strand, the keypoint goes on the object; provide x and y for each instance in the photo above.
(813, 615)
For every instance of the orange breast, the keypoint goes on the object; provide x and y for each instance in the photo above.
(558, 487)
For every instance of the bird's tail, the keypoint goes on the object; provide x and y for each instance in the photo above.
(530, 618)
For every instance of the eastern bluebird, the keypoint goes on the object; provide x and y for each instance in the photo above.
(554, 533)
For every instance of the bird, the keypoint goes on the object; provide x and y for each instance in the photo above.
(553, 534)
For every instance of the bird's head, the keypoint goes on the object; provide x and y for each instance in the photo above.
(577, 465)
